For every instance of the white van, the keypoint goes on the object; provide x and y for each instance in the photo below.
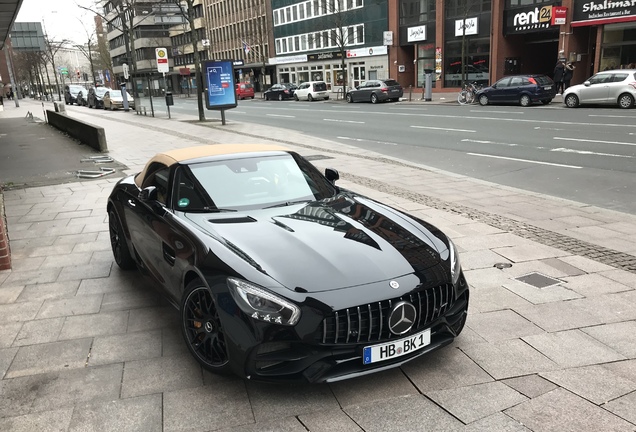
(312, 90)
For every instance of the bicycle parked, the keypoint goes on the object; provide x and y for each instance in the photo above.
(467, 93)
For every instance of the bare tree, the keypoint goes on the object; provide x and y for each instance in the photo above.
(51, 49)
(187, 10)
(257, 36)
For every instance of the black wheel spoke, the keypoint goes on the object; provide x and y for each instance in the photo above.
(203, 328)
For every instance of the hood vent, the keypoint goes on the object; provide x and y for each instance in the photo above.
(232, 220)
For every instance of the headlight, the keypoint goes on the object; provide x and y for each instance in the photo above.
(261, 304)
(456, 267)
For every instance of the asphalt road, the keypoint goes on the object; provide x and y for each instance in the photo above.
(586, 154)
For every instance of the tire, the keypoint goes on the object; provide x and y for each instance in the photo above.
(202, 329)
(296, 98)
(546, 101)
(111, 107)
(483, 100)
(327, 98)
(374, 98)
(118, 243)
(280, 97)
(462, 97)
(625, 101)
(571, 101)
(310, 98)
(251, 97)
(525, 100)
(104, 106)
(349, 98)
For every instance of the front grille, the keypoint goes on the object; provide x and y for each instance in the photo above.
(368, 322)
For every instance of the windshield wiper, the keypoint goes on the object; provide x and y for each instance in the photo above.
(288, 203)
(209, 210)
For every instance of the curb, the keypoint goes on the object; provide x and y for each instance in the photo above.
(5, 251)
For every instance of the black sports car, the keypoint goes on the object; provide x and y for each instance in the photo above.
(278, 273)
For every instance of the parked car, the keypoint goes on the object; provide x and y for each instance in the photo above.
(375, 91)
(612, 87)
(113, 99)
(519, 89)
(280, 91)
(279, 274)
(95, 96)
(71, 92)
(312, 90)
(244, 90)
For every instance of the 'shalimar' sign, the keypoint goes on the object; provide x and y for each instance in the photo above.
(606, 11)
(528, 20)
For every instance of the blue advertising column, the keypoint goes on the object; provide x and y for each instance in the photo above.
(220, 87)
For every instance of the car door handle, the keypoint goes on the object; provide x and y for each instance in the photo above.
(168, 254)
(131, 203)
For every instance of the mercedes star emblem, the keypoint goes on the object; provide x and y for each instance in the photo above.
(394, 284)
(402, 318)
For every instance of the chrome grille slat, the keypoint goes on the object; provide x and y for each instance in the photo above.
(371, 327)
(359, 324)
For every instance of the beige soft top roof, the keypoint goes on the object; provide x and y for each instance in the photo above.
(178, 155)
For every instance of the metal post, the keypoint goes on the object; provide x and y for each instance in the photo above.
(152, 109)
(165, 92)
(428, 95)
(223, 117)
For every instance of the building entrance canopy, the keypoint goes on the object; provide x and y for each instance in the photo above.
(8, 12)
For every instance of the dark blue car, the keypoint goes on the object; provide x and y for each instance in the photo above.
(519, 89)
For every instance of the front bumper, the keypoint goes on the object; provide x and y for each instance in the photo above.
(265, 352)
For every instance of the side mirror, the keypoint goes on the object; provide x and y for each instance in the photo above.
(357, 87)
(494, 86)
(587, 83)
(332, 175)
(148, 194)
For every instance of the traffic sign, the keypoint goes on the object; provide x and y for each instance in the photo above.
(162, 60)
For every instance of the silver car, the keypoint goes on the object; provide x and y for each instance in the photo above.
(613, 87)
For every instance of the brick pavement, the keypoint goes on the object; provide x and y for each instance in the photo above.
(85, 346)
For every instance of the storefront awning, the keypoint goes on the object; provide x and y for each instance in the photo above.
(601, 21)
(8, 12)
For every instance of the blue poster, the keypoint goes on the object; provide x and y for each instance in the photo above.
(219, 79)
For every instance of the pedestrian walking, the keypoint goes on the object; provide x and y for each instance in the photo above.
(567, 75)
(559, 71)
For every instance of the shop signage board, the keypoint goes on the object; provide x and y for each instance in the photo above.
(528, 20)
(559, 15)
(366, 52)
(387, 38)
(603, 12)
(301, 58)
(416, 34)
(466, 27)
(325, 56)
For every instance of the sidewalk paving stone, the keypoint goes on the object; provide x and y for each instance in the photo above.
(50, 357)
(125, 347)
(560, 410)
(530, 386)
(73, 306)
(99, 324)
(362, 390)
(329, 421)
(618, 336)
(51, 421)
(140, 414)
(39, 331)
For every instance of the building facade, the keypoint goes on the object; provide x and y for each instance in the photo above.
(314, 38)
(241, 30)
(151, 23)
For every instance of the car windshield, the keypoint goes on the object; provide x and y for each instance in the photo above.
(100, 91)
(257, 182)
(77, 89)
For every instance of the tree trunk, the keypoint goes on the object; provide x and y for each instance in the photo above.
(197, 61)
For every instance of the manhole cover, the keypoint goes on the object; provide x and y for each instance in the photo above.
(538, 280)
(317, 157)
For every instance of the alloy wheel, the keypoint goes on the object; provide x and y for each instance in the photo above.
(202, 328)
(280, 97)
(374, 98)
(118, 243)
(349, 98)
(483, 100)
(571, 101)
(310, 97)
(525, 101)
(625, 101)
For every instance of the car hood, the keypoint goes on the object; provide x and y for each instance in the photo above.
(324, 245)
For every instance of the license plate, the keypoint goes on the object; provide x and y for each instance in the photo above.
(548, 87)
(396, 348)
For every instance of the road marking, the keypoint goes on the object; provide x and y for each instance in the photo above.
(281, 115)
(595, 141)
(498, 112)
(343, 121)
(525, 160)
(365, 140)
(444, 129)
(489, 142)
(542, 128)
(611, 116)
(585, 152)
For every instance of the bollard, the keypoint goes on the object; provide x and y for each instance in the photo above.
(428, 94)
(410, 92)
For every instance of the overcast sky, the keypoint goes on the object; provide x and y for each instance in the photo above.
(62, 19)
